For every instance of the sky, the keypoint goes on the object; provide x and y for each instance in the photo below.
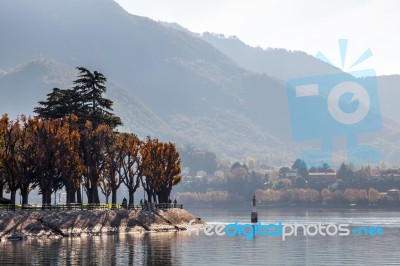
(306, 25)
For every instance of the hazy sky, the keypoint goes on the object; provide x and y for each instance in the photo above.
(307, 25)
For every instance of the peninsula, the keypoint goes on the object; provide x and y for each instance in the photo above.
(54, 224)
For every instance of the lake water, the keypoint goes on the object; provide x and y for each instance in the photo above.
(178, 248)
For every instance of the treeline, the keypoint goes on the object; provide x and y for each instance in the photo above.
(300, 195)
(208, 197)
(289, 196)
(73, 142)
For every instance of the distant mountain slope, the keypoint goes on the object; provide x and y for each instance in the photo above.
(174, 74)
(389, 94)
(279, 63)
(165, 81)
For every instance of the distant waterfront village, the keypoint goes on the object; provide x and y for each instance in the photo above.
(296, 185)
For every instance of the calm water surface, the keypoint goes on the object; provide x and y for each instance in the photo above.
(178, 248)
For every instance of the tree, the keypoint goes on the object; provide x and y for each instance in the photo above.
(2, 180)
(237, 180)
(9, 135)
(300, 182)
(161, 167)
(327, 195)
(284, 183)
(60, 103)
(111, 179)
(345, 173)
(131, 169)
(47, 174)
(198, 160)
(373, 195)
(93, 143)
(93, 106)
(323, 168)
(85, 100)
(28, 156)
(301, 167)
(69, 160)
(18, 158)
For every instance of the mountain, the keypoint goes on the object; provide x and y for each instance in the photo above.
(279, 63)
(284, 64)
(165, 82)
(276, 62)
(190, 86)
(389, 93)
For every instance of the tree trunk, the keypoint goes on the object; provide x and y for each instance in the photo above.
(68, 201)
(46, 198)
(154, 198)
(49, 197)
(94, 195)
(79, 195)
(131, 196)
(107, 196)
(114, 196)
(159, 199)
(24, 194)
(1, 189)
(96, 198)
(89, 195)
(12, 198)
(71, 196)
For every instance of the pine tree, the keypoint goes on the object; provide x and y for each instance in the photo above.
(94, 107)
(85, 100)
(60, 103)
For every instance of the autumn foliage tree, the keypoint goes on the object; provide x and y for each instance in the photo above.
(131, 165)
(9, 146)
(93, 143)
(161, 169)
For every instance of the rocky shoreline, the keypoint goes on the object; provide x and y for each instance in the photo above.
(36, 224)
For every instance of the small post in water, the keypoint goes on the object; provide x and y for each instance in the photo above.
(254, 215)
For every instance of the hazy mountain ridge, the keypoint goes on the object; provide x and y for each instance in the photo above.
(165, 82)
(277, 62)
(174, 74)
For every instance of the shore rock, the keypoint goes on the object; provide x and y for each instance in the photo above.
(48, 223)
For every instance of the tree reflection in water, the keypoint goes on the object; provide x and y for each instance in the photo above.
(124, 249)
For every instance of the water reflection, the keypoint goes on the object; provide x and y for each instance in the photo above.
(177, 248)
(125, 249)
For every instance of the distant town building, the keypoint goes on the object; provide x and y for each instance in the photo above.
(292, 174)
(322, 177)
(286, 172)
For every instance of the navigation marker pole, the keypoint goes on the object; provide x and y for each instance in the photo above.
(254, 214)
